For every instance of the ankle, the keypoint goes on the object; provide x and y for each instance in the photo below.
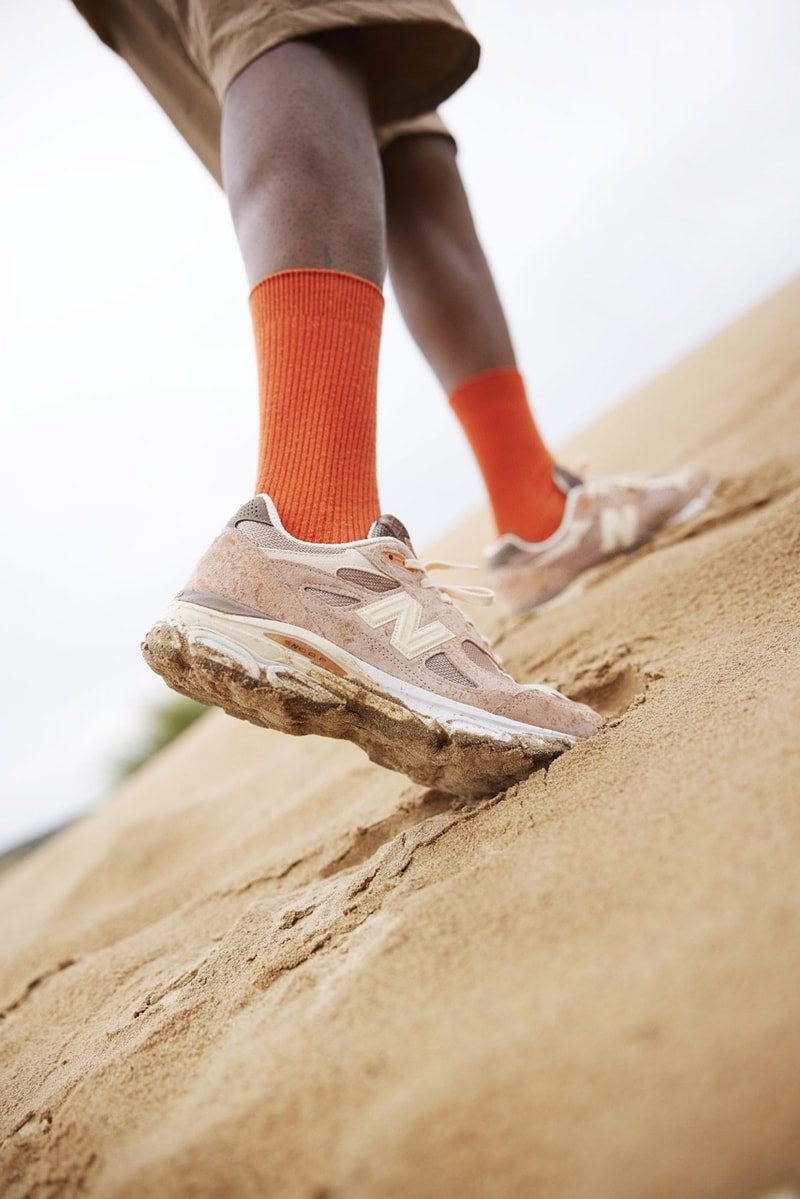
(514, 461)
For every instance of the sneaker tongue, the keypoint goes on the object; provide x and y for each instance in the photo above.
(390, 526)
(565, 480)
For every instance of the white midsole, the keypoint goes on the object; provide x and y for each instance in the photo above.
(227, 632)
(695, 505)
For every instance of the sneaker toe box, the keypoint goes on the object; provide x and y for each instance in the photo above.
(549, 709)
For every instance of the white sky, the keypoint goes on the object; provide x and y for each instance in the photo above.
(635, 171)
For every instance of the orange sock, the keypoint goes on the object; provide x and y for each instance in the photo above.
(516, 466)
(317, 336)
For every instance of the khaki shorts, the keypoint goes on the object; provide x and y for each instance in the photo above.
(187, 53)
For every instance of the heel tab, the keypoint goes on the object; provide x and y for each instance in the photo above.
(255, 510)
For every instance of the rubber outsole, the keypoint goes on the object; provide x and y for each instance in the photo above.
(299, 698)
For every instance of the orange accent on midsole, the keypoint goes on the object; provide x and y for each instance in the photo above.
(308, 651)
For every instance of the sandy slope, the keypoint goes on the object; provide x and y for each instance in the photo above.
(270, 968)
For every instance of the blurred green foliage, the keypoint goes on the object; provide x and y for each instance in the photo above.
(21, 851)
(164, 724)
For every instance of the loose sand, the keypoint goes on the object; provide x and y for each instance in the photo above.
(270, 968)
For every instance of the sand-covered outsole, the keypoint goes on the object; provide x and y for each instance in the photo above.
(277, 696)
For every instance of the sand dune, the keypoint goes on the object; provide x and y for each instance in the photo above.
(269, 968)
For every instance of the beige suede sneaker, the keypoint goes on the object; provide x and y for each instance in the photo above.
(603, 518)
(356, 641)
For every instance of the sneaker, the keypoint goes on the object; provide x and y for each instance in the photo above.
(356, 641)
(603, 518)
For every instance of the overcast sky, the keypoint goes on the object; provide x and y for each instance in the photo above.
(635, 171)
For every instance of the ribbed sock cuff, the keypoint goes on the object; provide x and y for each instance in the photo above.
(493, 410)
(317, 342)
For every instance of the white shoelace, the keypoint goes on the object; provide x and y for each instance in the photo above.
(471, 595)
(598, 488)
(450, 592)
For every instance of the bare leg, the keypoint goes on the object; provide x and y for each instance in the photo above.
(439, 272)
(300, 163)
(303, 177)
(447, 296)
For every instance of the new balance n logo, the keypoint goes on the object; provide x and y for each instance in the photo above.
(407, 636)
(619, 528)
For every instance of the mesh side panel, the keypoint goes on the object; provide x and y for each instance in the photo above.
(267, 536)
(334, 598)
(261, 534)
(440, 664)
(480, 657)
(365, 579)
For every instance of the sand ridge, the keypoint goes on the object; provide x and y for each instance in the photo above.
(268, 967)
